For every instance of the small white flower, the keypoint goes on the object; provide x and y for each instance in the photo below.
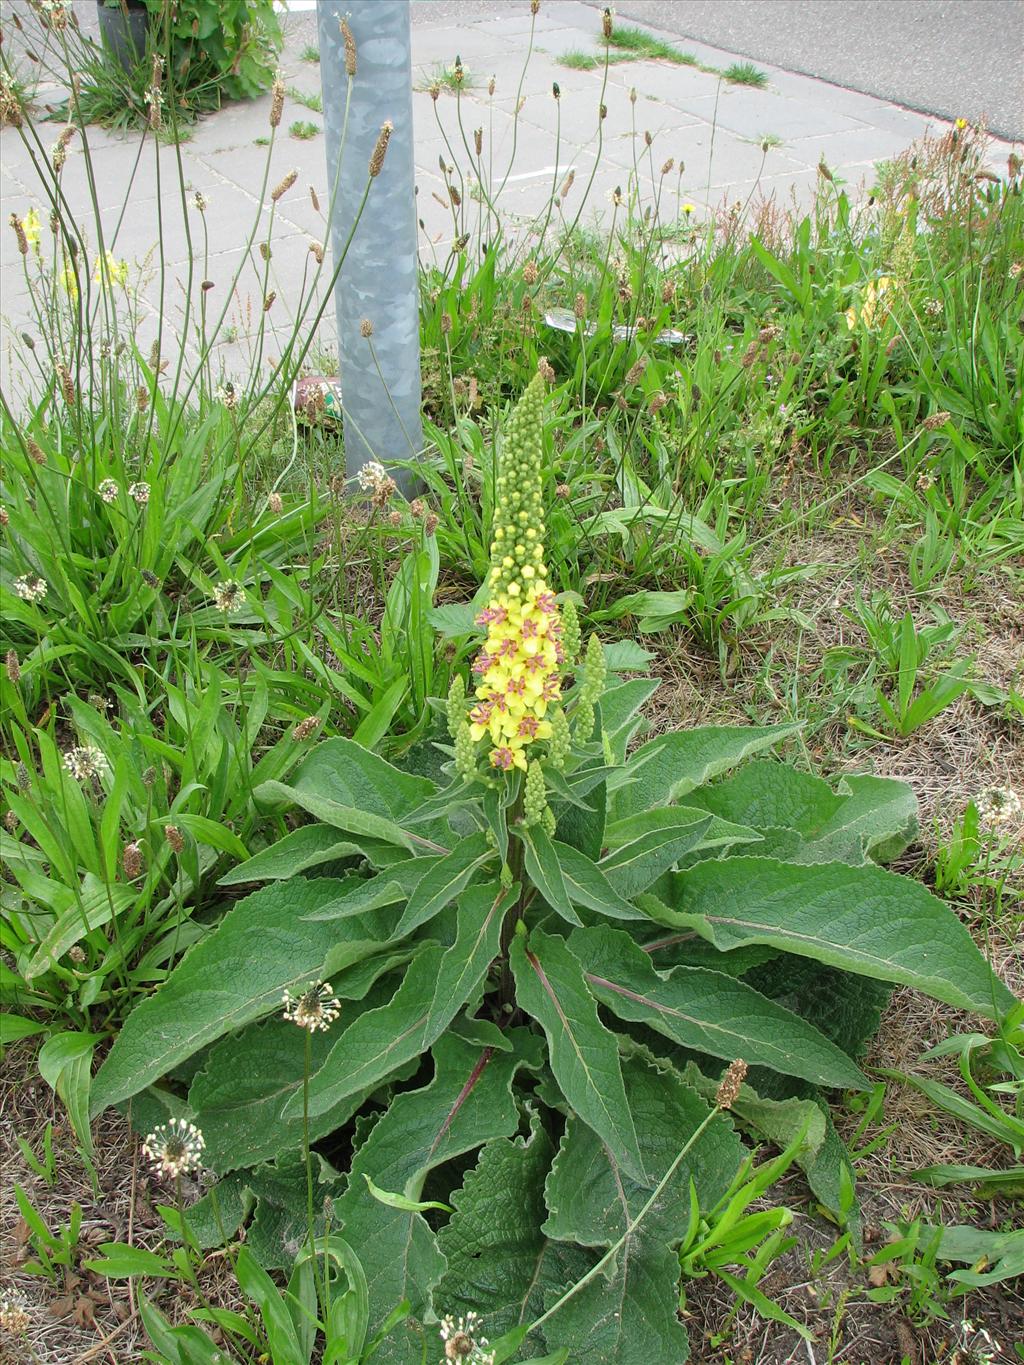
(108, 491)
(997, 807)
(980, 1347)
(175, 1148)
(13, 1316)
(462, 1342)
(30, 588)
(372, 476)
(139, 492)
(85, 762)
(316, 1008)
(228, 596)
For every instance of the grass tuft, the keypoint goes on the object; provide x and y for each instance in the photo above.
(645, 46)
(309, 99)
(745, 73)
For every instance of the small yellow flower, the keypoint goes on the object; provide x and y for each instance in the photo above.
(33, 228)
(872, 303)
(109, 270)
(960, 124)
(69, 282)
(689, 208)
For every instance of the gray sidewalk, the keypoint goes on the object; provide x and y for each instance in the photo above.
(735, 142)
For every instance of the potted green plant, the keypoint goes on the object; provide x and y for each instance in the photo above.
(231, 45)
(123, 26)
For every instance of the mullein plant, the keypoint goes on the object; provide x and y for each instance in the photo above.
(541, 967)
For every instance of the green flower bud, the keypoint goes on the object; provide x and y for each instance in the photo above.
(594, 671)
(535, 794)
(456, 705)
(465, 752)
(583, 721)
(548, 823)
(570, 633)
(560, 741)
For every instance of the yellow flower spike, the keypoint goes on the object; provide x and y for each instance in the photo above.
(519, 667)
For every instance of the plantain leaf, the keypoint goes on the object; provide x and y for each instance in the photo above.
(95, 904)
(861, 919)
(708, 1011)
(583, 1054)
(224, 983)
(65, 1064)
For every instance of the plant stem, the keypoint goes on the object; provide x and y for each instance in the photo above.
(516, 854)
(306, 1066)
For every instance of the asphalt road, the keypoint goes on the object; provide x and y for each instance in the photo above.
(954, 58)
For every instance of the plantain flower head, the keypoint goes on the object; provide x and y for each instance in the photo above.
(519, 668)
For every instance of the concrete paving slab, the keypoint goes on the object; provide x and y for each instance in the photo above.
(666, 81)
(754, 113)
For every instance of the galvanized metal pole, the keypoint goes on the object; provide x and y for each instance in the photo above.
(378, 286)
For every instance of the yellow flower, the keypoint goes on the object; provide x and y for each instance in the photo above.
(33, 228)
(69, 282)
(689, 208)
(960, 124)
(109, 270)
(872, 303)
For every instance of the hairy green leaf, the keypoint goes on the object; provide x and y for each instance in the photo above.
(669, 766)
(649, 843)
(240, 1094)
(584, 1056)
(378, 1041)
(861, 919)
(482, 911)
(708, 1011)
(441, 883)
(468, 1102)
(296, 852)
(588, 886)
(499, 1260)
(543, 870)
(237, 974)
(627, 1313)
